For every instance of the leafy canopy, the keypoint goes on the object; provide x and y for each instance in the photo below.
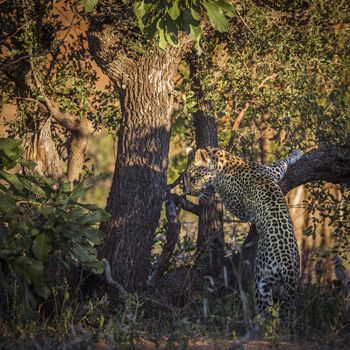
(167, 18)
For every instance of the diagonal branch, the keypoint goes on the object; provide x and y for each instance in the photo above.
(81, 129)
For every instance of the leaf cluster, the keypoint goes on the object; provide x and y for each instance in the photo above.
(39, 220)
(167, 18)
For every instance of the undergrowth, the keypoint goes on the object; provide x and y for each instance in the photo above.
(76, 323)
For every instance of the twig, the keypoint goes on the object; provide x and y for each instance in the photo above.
(270, 77)
(240, 116)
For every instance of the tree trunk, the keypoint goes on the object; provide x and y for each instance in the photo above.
(139, 181)
(210, 240)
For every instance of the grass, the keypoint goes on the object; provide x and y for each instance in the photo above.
(68, 321)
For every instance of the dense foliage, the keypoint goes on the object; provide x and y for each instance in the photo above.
(276, 77)
(41, 222)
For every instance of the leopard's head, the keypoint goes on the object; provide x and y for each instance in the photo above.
(200, 173)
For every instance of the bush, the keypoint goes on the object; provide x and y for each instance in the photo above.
(40, 219)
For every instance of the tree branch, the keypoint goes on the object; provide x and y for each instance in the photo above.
(81, 129)
(187, 205)
(106, 47)
(331, 164)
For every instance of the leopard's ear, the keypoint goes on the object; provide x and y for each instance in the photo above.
(202, 158)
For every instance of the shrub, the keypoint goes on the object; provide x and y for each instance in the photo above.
(40, 219)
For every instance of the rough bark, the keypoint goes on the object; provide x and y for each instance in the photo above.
(210, 239)
(172, 235)
(139, 181)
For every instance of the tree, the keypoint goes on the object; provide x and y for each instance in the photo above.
(143, 79)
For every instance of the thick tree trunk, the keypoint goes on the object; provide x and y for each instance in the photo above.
(139, 182)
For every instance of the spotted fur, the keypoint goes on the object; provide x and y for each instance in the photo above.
(250, 191)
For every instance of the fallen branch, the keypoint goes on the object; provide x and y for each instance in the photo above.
(110, 279)
(172, 235)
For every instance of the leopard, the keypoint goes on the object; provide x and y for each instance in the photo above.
(250, 191)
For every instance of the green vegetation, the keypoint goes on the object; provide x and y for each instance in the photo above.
(274, 76)
(41, 222)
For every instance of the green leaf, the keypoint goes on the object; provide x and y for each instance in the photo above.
(195, 33)
(141, 8)
(7, 203)
(195, 14)
(161, 33)
(228, 8)
(12, 179)
(187, 20)
(171, 32)
(30, 164)
(41, 246)
(10, 152)
(150, 30)
(33, 267)
(82, 254)
(97, 267)
(89, 4)
(174, 11)
(216, 16)
(30, 183)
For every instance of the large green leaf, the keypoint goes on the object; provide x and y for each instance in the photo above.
(216, 16)
(10, 151)
(41, 246)
(82, 254)
(174, 10)
(12, 179)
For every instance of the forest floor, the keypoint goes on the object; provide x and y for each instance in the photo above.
(313, 344)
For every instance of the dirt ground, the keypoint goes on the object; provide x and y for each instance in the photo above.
(319, 344)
